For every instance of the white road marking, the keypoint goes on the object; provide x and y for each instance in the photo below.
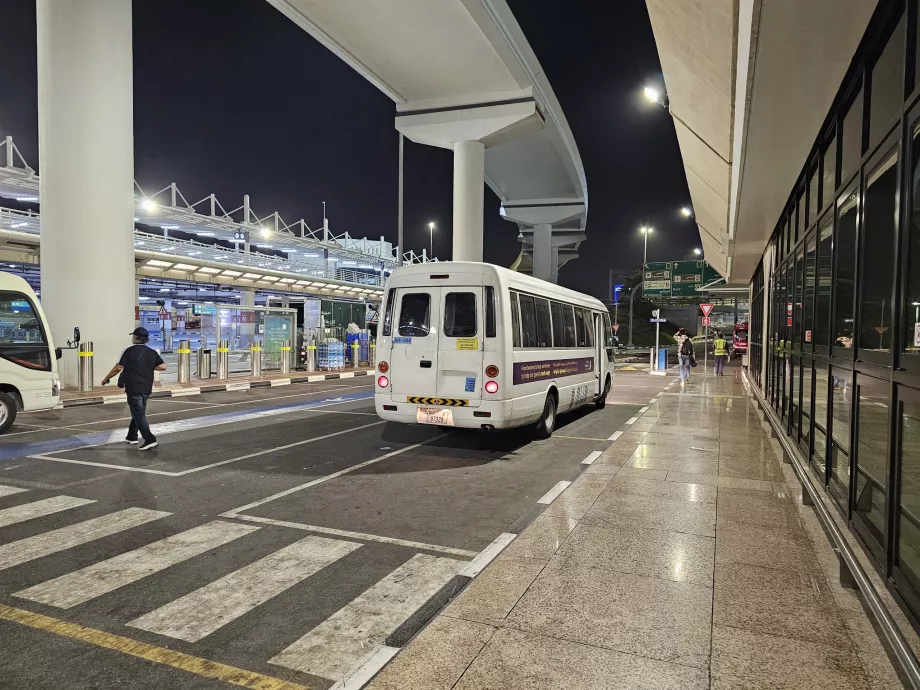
(347, 375)
(632, 420)
(326, 478)
(554, 493)
(117, 398)
(316, 377)
(280, 382)
(10, 490)
(615, 435)
(25, 550)
(591, 457)
(105, 576)
(643, 410)
(37, 509)
(462, 553)
(200, 613)
(367, 668)
(653, 401)
(487, 555)
(166, 473)
(340, 642)
(182, 392)
(244, 386)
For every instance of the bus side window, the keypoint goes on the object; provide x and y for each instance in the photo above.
(528, 320)
(556, 309)
(515, 321)
(580, 334)
(568, 313)
(388, 314)
(490, 311)
(588, 320)
(544, 325)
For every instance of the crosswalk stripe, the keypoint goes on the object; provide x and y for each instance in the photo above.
(200, 613)
(10, 490)
(100, 578)
(30, 548)
(337, 644)
(37, 509)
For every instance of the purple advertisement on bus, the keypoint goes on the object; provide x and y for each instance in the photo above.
(527, 372)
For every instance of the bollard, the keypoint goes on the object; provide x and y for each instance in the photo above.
(85, 356)
(223, 359)
(204, 362)
(255, 358)
(372, 355)
(311, 356)
(286, 357)
(651, 359)
(185, 361)
(355, 353)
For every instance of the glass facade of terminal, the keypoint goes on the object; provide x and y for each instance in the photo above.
(835, 319)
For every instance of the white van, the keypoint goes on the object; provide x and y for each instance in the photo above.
(28, 359)
(479, 346)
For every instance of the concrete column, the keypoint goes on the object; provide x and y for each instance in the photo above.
(543, 251)
(137, 303)
(86, 157)
(247, 330)
(555, 277)
(469, 191)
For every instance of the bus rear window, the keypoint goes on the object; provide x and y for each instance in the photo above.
(22, 338)
(460, 315)
(388, 314)
(415, 314)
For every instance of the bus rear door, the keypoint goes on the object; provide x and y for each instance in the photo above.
(460, 346)
(413, 360)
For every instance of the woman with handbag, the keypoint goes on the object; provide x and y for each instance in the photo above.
(685, 356)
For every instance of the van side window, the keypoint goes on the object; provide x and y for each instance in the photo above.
(568, 313)
(388, 314)
(515, 321)
(528, 320)
(544, 325)
(415, 314)
(490, 312)
(588, 317)
(558, 324)
(608, 332)
(460, 315)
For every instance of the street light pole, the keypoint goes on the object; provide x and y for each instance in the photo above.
(431, 240)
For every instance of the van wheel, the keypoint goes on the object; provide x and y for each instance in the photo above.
(601, 402)
(547, 422)
(7, 412)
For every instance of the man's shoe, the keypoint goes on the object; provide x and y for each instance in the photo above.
(132, 441)
(147, 445)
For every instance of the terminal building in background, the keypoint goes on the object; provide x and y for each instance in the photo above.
(799, 126)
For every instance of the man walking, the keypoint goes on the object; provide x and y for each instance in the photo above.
(721, 352)
(135, 374)
(684, 355)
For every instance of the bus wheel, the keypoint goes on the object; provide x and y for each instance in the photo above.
(601, 402)
(7, 412)
(547, 422)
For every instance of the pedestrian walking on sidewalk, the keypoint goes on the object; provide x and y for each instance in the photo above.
(135, 374)
(684, 355)
(721, 352)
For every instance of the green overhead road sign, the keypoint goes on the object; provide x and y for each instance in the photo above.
(677, 278)
(657, 279)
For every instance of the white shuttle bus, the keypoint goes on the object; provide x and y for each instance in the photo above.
(479, 346)
(28, 359)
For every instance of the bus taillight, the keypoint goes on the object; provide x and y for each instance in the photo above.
(383, 367)
(383, 381)
(491, 371)
(491, 387)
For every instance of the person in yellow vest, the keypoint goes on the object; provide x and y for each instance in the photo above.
(721, 352)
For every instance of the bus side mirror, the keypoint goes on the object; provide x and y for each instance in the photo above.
(76, 334)
(58, 353)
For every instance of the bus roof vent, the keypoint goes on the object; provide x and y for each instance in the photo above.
(439, 276)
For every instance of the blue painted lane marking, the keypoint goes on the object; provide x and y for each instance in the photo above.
(102, 438)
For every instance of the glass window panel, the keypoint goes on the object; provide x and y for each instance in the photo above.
(799, 297)
(460, 315)
(909, 513)
(544, 325)
(820, 423)
(794, 382)
(490, 312)
(796, 220)
(887, 85)
(388, 312)
(568, 313)
(806, 400)
(846, 272)
(558, 324)
(872, 458)
(829, 173)
(852, 137)
(528, 320)
(841, 399)
(515, 321)
(878, 256)
(414, 314)
(589, 327)
(824, 272)
(911, 340)
(813, 187)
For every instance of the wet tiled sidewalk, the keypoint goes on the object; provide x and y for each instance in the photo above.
(679, 559)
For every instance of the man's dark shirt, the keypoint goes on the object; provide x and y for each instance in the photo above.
(139, 361)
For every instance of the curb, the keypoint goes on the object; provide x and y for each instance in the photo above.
(214, 388)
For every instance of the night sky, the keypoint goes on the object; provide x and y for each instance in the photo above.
(243, 101)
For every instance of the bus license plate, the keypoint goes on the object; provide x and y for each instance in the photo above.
(434, 415)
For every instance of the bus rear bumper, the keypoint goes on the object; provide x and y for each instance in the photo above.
(489, 415)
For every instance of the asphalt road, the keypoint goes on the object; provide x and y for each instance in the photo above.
(275, 538)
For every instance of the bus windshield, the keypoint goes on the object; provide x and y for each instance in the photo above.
(22, 337)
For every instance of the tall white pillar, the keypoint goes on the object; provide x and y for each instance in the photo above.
(469, 192)
(543, 251)
(247, 328)
(86, 158)
(555, 264)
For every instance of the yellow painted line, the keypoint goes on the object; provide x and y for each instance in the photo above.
(581, 438)
(158, 655)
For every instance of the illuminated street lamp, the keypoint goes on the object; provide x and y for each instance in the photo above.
(697, 251)
(149, 205)
(645, 230)
(686, 212)
(654, 95)
(431, 240)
